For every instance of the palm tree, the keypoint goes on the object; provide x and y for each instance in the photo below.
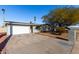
(34, 19)
(3, 10)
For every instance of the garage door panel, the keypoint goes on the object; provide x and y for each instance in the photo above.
(21, 29)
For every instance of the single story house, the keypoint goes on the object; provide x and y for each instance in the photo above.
(13, 28)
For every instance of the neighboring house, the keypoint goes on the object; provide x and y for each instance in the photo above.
(45, 28)
(13, 28)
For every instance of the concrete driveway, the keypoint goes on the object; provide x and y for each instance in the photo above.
(36, 44)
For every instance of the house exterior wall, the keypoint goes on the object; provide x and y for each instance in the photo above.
(8, 29)
(18, 29)
(35, 30)
(15, 29)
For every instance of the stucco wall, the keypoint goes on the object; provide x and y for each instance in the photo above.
(8, 30)
(20, 29)
(35, 30)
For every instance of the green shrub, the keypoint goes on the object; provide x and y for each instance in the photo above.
(61, 29)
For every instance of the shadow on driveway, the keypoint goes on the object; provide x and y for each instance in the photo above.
(62, 38)
(3, 44)
(54, 36)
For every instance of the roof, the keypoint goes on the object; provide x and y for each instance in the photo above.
(20, 23)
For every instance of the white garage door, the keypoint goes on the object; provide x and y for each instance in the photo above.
(21, 29)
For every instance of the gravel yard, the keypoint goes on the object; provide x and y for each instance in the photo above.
(36, 44)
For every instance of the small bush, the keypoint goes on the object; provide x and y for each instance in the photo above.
(60, 30)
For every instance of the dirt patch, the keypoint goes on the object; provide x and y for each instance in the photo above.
(64, 36)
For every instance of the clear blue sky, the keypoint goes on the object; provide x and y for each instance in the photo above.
(25, 13)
